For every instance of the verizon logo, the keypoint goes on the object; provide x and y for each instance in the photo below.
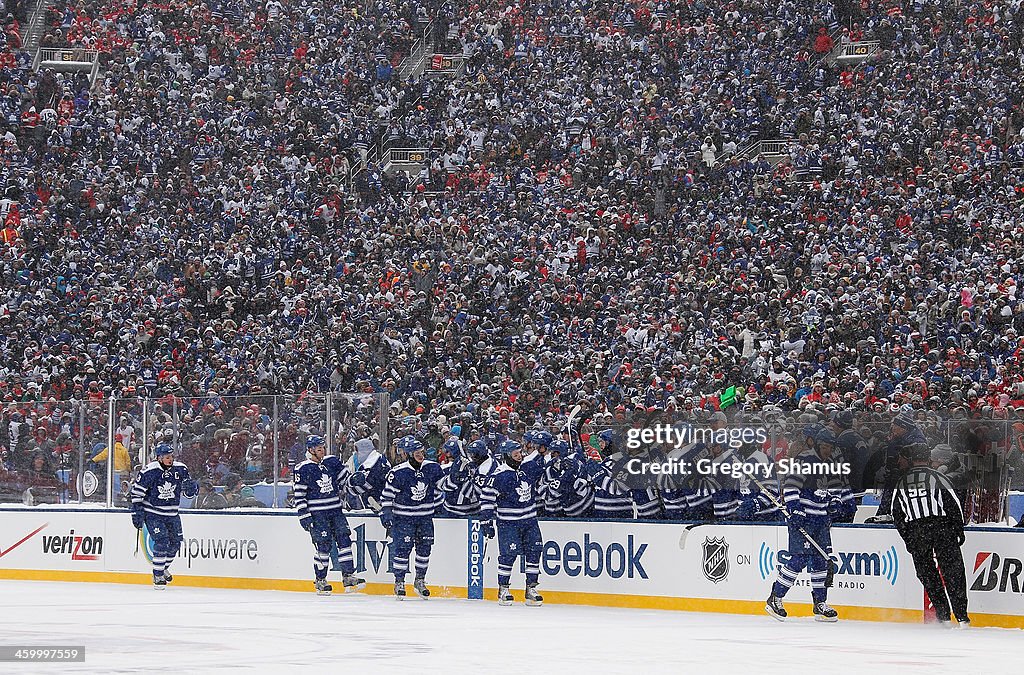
(77, 546)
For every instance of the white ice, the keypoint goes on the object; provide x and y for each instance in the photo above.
(135, 629)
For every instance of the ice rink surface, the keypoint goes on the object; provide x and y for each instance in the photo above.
(135, 629)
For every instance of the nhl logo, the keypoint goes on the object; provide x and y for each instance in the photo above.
(716, 559)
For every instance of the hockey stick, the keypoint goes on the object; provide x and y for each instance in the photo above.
(377, 508)
(686, 532)
(569, 431)
(831, 573)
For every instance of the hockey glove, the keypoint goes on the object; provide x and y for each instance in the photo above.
(190, 489)
(594, 469)
(358, 479)
(797, 519)
(138, 520)
(487, 529)
(386, 519)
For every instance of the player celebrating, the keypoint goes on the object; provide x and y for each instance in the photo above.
(410, 498)
(370, 474)
(509, 496)
(613, 498)
(319, 484)
(810, 540)
(465, 479)
(155, 498)
(537, 442)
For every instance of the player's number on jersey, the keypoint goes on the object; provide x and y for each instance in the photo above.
(919, 488)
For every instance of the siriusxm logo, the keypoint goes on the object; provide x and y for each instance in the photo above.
(592, 558)
(885, 564)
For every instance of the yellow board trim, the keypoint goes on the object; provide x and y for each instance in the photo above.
(554, 597)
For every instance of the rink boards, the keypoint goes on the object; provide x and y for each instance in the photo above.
(708, 568)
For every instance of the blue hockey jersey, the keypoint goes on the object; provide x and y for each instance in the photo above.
(569, 492)
(376, 469)
(158, 490)
(320, 487)
(413, 492)
(510, 494)
(463, 484)
(807, 495)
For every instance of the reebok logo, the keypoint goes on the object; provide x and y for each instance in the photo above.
(592, 559)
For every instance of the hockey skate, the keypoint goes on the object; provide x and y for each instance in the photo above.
(775, 608)
(353, 583)
(504, 596)
(420, 586)
(322, 587)
(167, 577)
(533, 598)
(159, 582)
(400, 590)
(822, 612)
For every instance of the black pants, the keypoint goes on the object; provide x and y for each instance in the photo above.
(928, 536)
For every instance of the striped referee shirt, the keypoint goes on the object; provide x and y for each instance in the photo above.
(925, 493)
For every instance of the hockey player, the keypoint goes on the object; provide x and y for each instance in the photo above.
(320, 483)
(612, 497)
(537, 442)
(903, 433)
(851, 449)
(759, 500)
(411, 496)
(155, 498)
(807, 504)
(509, 496)
(370, 475)
(465, 479)
(569, 492)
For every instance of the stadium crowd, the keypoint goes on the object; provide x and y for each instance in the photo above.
(196, 224)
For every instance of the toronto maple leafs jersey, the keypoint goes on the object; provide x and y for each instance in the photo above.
(158, 490)
(320, 487)
(413, 493)
(569, 493)
(807, 495)
(510, 493)
(464, 483)
(376, 469)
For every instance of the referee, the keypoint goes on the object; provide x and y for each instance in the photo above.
(928, 516)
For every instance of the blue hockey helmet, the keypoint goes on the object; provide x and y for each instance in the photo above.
(163, 449)
(409, 445)
(543, 438)
(508, 446)
(843, 419)
(825, 436)
(530, 436)
(607, 435)
(451, 447)
(477, 449)
(811, 431)
(559, 446)
(314, 441)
